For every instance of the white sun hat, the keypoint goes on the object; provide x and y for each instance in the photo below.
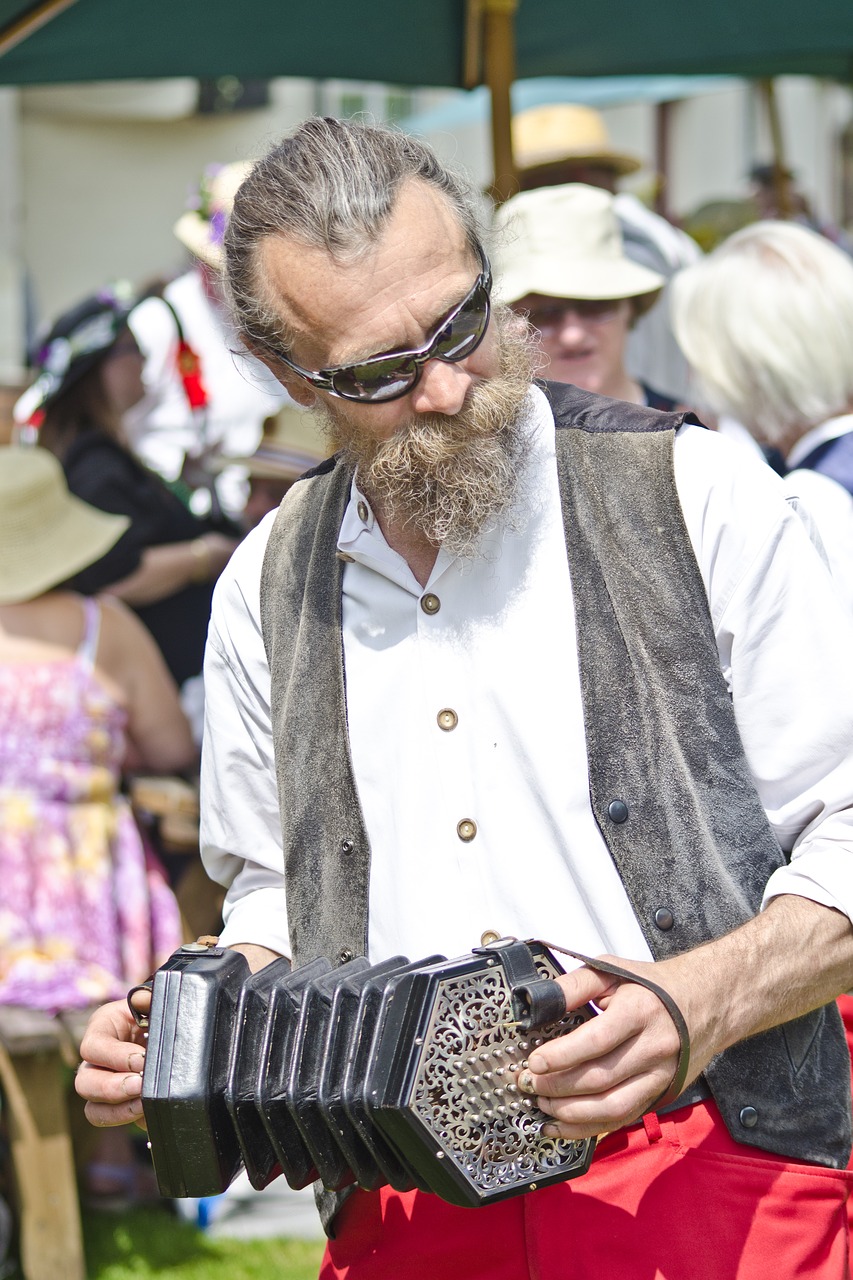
(565, 242)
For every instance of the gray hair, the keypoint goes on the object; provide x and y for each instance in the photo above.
(766, 321)
(331, 184)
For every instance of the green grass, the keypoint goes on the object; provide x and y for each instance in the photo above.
(144, 1243)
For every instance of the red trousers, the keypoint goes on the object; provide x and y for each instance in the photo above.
(674, 1198)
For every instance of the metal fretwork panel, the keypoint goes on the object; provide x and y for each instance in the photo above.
(465, 1094)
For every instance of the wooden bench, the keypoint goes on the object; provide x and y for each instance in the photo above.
(36, 1051)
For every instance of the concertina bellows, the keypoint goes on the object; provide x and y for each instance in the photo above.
(397, 1073)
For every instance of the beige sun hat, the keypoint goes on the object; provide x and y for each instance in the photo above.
(565, 242)
(46, 534)
(202, 229)
(563, 132)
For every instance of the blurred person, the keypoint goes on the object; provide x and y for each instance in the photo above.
(568, 143)
(766, 321)
(205, 395)
(766, 180)
(292, 444)
(166, 562)
(272, 470)
(560, 261)
(83, 692)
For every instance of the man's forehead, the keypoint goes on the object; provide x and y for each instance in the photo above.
(325, 298)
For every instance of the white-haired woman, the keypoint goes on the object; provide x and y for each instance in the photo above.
(766, 322)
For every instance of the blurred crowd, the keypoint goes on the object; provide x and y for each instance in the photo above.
(151, 440)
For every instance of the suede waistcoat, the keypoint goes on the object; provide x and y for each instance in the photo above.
(687, 833)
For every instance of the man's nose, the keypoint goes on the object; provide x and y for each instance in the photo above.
(442, 387)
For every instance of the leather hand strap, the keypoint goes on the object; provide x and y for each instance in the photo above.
(604, 966)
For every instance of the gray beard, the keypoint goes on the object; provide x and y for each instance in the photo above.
(450, 477)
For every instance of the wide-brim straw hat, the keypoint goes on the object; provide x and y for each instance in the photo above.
(202, 230)
(46, 534)
(565, 132)
(565, 242)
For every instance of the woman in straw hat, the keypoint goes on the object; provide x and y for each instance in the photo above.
(83, 689)
(560, 261)
(167, 561)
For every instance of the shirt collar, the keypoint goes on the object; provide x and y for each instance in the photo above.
(829, 430)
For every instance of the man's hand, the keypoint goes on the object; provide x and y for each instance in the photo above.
(110, 1075)
(608, 1071)
(113, 1052)
(793, 957)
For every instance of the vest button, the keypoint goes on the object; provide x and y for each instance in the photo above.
(664, 919)
(430, 603)
(347, 846)
(345, 955)
(617, 811)
(466, 830)
(748, 1117)
(447, 719)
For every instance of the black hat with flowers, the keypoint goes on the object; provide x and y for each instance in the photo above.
(74, 345)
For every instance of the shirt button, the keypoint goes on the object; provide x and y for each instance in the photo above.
(466, 830)
(664, 919)
(363, 512)
(617, 811)
(430, 603)
(447, 719)
(748, 1117)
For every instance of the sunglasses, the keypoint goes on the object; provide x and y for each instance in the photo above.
(545, 316)
(393, 374)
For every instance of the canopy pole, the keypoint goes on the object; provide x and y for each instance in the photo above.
(489, 58)
(499, 73)
(781, 182)
(29, 22)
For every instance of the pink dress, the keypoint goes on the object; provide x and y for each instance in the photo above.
(85, 911)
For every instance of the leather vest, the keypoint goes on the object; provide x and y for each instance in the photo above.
(687, 831)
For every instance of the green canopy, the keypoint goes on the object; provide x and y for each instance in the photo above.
(423, 43)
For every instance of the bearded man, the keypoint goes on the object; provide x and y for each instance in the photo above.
(519, 660)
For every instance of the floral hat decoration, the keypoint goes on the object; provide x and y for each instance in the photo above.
(202, 228)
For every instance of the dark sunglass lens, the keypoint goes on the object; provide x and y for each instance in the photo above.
(465, 330)
(375, 380)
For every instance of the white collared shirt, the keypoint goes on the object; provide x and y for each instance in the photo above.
(466, 725)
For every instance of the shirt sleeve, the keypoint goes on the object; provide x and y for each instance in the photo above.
(785, 639)
(240, 824)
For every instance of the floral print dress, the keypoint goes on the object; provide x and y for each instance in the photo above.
(85, 910)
